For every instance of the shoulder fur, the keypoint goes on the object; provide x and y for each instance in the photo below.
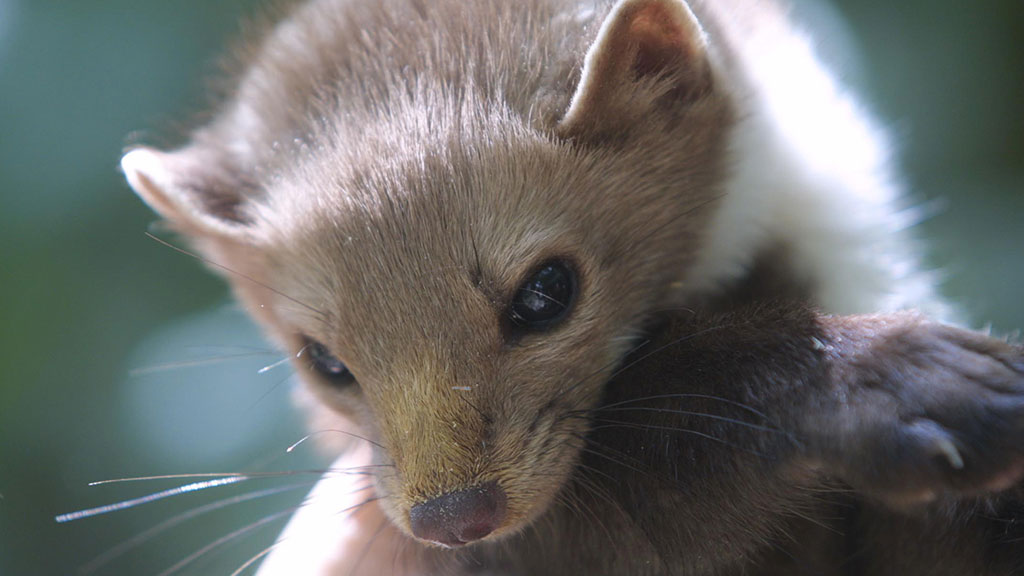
(811, 173)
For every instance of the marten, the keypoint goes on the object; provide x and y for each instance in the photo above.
(608, 287)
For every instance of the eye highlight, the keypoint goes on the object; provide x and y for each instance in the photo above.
(327, 365)
(544, 299)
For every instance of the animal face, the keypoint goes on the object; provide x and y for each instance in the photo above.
(454, 274)
(415, 272)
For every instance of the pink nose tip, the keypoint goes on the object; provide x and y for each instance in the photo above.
(461, 517)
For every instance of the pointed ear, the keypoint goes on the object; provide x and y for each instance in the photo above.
(646, 50)
(192, 190)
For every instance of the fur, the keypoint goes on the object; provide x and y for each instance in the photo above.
(384, 175)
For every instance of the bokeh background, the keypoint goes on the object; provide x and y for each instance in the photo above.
(120, 357)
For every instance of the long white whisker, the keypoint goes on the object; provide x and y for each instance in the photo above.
(225, 539)
(270, 391)
(670, 396)
(269, 549)
(169, 477)
(148, 534)
(255, 350)
(318, 432)
(256, 557)
(196, 363)
(270, 367)
(245, 475)
(235, 272)
(124, 504)
(692, 413)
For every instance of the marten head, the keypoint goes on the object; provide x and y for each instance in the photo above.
(455, 277)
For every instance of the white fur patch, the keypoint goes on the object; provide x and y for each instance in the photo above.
(812, 174)
(336, 525)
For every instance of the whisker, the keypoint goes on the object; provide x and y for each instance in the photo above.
(242, 475)
(684, 395)
(543, 295)
(691, 413)
(147, 535)
(591, 448)
(125, 504)
(279, 382)
(589, 510)
(227, 538)
(269, 392)
(196, 363)
(256, 557)
(318, 432)
(678, 217)
(168, 477)
(270, 367)
(272, 547)
(235, 272)
(635, 426)
(826, 490)
(487, 419)
(400, 551)
(255, 350)
(640, 359)
(586, 378)
(366, 549)
(795, 511)
(594, 470)
(679, 340)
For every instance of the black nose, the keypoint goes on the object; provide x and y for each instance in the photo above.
(458, 518)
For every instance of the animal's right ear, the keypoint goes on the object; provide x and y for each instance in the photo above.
(647, 51)
(195, 193)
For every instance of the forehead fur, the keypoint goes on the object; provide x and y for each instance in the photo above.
(445, 194)
(347, 61)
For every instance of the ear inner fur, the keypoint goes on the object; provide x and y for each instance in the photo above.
(640, 43)
(174, 185)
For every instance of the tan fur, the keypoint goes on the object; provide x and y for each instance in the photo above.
(384, 176)
(399, 174)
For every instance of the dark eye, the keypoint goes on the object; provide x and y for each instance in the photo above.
(545, 298)
(326, 364)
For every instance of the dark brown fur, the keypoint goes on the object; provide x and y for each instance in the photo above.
(729, 445)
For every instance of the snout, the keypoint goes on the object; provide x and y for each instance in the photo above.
(460, 517)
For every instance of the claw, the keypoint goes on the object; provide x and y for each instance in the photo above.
(946, 447)
(939, 441)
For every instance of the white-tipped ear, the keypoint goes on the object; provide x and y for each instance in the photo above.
(185, 192)
(640, 43)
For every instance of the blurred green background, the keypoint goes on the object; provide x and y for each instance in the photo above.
(92, 311)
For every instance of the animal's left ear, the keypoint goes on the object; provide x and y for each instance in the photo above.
(192, 189)
(646, 51)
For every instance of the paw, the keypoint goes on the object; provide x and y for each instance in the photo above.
(922, 411)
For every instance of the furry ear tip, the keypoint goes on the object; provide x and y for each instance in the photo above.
(136, 159)
(661, 31)
(657, 40)
(184, 192)
(143, 167)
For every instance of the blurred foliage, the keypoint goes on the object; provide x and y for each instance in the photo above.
(85, 297)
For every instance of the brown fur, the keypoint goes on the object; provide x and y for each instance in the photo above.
(385, 175)
(728, 443)
(399, 212)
